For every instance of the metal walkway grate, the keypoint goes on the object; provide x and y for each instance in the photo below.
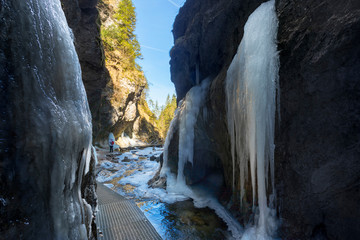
(120, 218)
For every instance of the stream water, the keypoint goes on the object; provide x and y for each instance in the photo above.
(173, 216)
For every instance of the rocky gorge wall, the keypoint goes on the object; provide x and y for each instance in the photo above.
(83, 18)
(317, 153)
(316, 166)
(47, 163)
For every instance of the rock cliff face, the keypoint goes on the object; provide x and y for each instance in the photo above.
(123, 99)
(114, 98)
(206, 37)
(83, 18)
(317, 171)
(317, 154)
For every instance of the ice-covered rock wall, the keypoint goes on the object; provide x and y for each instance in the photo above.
(45, 125)
(83, 18)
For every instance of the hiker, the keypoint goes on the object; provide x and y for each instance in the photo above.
(111, 144)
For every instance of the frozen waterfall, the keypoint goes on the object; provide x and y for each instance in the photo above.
(48, 119)
(190, 109)
(185, 119)
(251, 84)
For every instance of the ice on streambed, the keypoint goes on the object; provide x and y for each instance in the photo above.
(106, 175)
(136, 171)
(145, 171)
(149, 151)
(107, 164)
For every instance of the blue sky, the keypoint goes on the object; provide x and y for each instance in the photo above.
(153, 29)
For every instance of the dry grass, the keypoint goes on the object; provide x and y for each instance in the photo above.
(129, 172)
(115, 182)
(128, 188)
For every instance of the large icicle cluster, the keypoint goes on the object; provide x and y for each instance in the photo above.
(251, 104)
(50, 119)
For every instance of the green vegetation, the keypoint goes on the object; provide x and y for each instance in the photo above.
(120, 34)
(163, 115)
(121, 48)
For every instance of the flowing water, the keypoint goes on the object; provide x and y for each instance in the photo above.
(174, 216)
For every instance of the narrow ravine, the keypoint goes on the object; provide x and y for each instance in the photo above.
(250, 89)
(236, 162)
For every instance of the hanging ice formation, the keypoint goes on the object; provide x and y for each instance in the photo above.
(172, 128)
(194, 100)
(185, 116)
(49, 115)
(251, 84)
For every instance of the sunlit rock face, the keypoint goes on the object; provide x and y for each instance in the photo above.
(317, 145)
(45, 133)
(114, 100)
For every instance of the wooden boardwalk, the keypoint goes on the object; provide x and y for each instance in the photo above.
(120, 218)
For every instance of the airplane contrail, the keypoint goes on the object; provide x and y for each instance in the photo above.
(152, 48)
(174, 3)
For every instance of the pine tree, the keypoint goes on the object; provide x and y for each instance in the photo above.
(121, 34)
(167, 100)
(166, 115)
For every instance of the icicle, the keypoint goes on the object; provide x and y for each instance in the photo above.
(95, 155)
(251, 84)
(172, 128)
(197, 73)
(188, 116)
(205, 114)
